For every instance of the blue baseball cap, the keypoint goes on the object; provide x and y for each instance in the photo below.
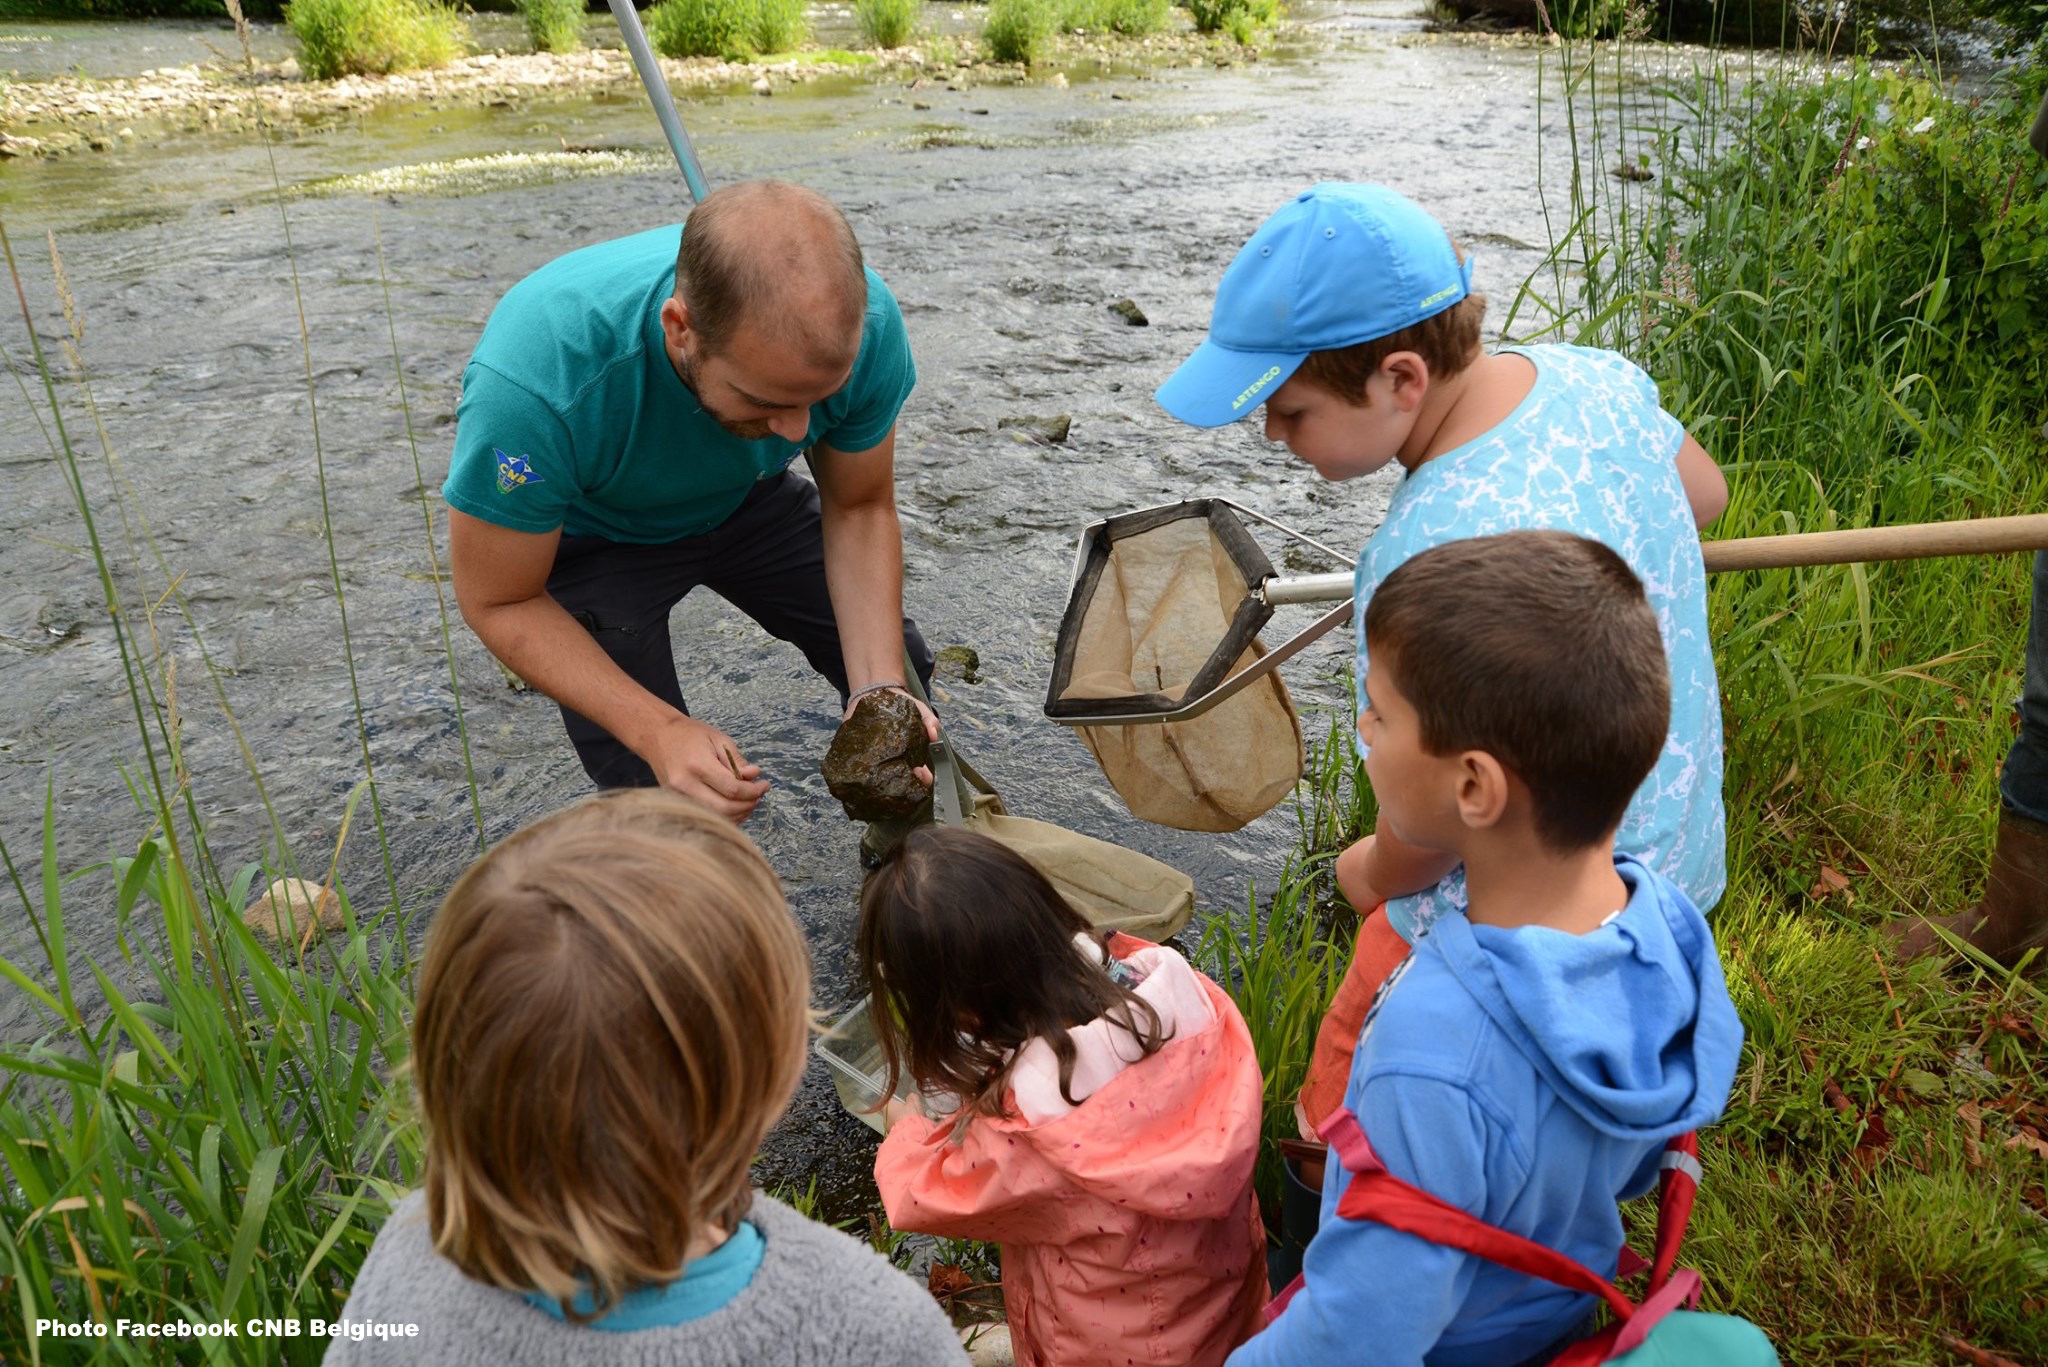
(1338, 265)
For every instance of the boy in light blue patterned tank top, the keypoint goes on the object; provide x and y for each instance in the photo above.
(1350, 317)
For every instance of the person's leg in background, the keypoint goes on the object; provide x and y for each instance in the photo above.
(2012, 917)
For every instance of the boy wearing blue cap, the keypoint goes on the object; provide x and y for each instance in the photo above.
(1350, 318)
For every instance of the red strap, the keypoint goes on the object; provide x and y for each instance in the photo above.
(1386, 1199)
(1376, 1194)
(1683, 1289)
(1677, 1181)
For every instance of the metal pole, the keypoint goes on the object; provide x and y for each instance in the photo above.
(657, 91)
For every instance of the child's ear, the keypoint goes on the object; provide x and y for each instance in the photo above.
(1482, 790)
(1408, 374)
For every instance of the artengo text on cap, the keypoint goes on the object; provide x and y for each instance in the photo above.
(1256, 386)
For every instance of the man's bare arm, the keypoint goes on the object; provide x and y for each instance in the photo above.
(501, 580)
(864, 560)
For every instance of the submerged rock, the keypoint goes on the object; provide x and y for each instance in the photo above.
(1047, 431)
(294, 903)
(959, 662)
(1128, 310)
(869, 765)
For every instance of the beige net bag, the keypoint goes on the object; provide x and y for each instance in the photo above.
(1163, 610)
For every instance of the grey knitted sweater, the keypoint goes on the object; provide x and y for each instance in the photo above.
(819, 1299)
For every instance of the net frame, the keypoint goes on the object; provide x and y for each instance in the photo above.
(1093, 560)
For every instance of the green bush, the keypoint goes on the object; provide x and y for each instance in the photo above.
(372, 37)
(778, 25)
(553, 25)
(702, 28)
(1241, 19)
(1017, 30)
(886, 23)
(1134, 18)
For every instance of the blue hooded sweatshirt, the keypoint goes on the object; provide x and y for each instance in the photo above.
(1531, 1078)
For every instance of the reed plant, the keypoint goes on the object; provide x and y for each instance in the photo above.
(886, 23)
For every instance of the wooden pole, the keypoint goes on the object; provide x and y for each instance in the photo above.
(1973, 536)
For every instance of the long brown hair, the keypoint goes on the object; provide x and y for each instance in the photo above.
(612, 1012)
(969, 954)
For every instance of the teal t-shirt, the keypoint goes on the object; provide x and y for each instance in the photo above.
(707, 1284)
(572, 415)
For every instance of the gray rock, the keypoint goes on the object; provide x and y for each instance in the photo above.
(1128, 310)
(1046, 431)
(869, 765)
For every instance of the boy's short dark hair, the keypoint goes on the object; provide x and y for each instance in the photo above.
(1540, 649)
(1447, 343)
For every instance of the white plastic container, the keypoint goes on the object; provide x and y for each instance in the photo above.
(853, 1056)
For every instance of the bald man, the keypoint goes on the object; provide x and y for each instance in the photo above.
(626, 431)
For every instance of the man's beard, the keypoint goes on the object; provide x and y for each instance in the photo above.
(752, 430)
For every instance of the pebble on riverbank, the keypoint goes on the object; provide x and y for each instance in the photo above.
(74, 114)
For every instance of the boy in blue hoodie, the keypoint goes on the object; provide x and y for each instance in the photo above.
(1528, 1061)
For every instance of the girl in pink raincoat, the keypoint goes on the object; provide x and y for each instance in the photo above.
(1108, 1109)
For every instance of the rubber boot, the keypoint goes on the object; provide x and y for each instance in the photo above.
(2012, 916)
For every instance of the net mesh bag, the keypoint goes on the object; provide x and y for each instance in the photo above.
(1114, 888)
(1163, 611)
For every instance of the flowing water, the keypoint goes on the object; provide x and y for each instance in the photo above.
(1005, 217)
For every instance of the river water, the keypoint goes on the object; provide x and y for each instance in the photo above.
(1005, 217)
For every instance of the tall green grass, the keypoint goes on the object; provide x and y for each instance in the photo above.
(374, 37)
(736, 30)
(553, 25)
(1020, 30)
(886, 23)
(1241, 19)
(1282, 962)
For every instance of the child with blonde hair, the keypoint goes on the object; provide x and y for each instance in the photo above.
(613, 1011)
(1108, 1109)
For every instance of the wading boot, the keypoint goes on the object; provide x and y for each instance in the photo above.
(2012, 917)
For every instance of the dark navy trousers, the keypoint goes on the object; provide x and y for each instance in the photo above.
(767, 560)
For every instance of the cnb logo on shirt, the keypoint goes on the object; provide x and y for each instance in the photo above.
(514, 471)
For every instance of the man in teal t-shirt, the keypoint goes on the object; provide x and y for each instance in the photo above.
(627, 425)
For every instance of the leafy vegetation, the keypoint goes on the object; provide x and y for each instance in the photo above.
(373, 37)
